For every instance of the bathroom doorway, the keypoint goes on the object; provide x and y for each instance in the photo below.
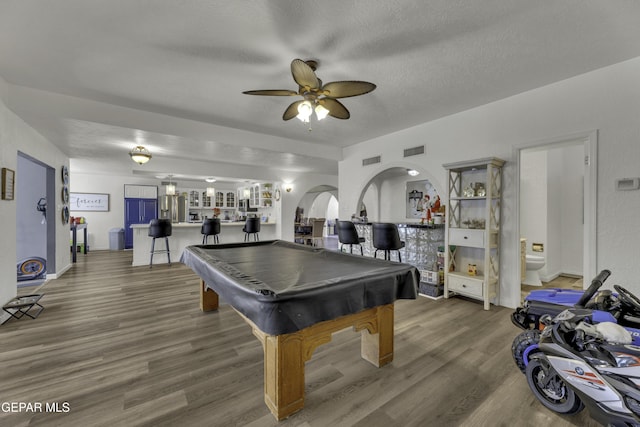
(556, 209)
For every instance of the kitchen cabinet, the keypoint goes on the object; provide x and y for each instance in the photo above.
(225, 199)
(472, 236)
(230, 199)
(194, 198)
(265, 195)
(140, 191)
(137, 211)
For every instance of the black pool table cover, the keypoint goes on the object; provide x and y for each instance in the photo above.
(283, 287)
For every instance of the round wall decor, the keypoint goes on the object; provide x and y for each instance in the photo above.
(65, 175)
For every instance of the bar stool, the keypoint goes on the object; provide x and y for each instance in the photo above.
(348, 235)
(386, 238)
(252, 226)
(159, 228)
(210, 227)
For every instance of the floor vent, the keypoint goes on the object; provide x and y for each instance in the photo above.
(408, 152)
(371, 161)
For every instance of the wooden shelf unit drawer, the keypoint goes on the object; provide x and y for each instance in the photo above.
(471, 286)
(467, 237)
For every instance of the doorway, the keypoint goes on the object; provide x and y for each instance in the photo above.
(556, 209)
(35, 221)
(320, 202)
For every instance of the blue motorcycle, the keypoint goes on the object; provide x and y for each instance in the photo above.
(621, 307)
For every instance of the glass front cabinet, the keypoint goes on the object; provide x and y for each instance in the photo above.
(472, 237)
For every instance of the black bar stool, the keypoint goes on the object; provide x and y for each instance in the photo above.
(210, 227)
(386, 238)
(252, 226)
(348, 235)
(159, 228)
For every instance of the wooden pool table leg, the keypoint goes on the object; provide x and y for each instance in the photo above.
(286, 354)
(376, 341)
(284, 374)
(208, 298)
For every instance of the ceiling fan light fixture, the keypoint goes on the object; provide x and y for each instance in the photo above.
(304, 111)
(140, 155)
(210, 179)
(321, 112)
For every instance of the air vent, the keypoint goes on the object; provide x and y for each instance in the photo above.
(371, 161)
(408, 152)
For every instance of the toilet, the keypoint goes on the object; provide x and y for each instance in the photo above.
(532, 276)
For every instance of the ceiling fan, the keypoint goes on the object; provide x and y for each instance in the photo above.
(323, 99)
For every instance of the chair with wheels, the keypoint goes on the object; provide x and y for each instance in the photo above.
(348, 235)
(386, 238)
(210, 227)
(252, 226)
(160, 228)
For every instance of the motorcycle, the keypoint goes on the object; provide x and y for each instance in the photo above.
(621, 307)
(580, 364)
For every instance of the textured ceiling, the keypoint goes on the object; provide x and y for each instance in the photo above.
(95, 77)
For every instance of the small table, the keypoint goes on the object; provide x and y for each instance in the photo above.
(74, 241)
(294, 297)
(19, 306)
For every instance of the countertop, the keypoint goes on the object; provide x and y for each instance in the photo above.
(199, 224)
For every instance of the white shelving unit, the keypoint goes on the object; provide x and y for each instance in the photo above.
(472, 237)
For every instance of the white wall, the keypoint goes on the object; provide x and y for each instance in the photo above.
(16, 135)
(607, 100)
(572, 221)
(533, 198)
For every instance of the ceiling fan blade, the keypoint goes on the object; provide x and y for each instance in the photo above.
(336, 109)
(271, 92)
(303, 74)
(292, 110)
(346, 89)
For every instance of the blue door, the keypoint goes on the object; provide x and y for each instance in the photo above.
(137, 211)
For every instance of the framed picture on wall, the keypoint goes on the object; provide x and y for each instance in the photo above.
(93, 202)
(419, 198)
(8, 183)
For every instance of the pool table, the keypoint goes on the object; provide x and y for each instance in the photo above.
(294, 297)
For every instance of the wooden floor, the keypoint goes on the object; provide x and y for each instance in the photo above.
(128, 346)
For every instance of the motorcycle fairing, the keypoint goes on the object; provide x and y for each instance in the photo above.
(588, 381)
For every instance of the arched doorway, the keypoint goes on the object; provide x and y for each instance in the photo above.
(321, 202)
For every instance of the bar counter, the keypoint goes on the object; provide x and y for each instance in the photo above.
(185, 234)
(421, 242)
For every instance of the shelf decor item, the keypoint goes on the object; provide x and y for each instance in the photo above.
(472, 236)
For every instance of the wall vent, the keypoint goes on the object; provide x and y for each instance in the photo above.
(371, 161)
(414, 151)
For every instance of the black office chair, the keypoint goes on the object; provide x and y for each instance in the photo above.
(252, 226)
(159, 228)
(386, 238)
(348, 235)
(210, 227)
